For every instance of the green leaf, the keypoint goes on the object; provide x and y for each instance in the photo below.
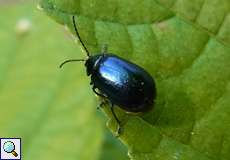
(52, 110)
(185, 46)
(113, 150)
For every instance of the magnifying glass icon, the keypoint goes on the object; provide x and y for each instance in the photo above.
(9, 147)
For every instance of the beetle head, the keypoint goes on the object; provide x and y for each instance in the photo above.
(91, 63)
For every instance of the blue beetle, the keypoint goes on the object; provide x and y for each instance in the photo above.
(118, 81)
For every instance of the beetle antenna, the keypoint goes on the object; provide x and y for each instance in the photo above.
(70, 60)
(78, 35)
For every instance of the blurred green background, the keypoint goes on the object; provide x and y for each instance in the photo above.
(52, 110)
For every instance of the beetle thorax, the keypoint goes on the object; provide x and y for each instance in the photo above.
(92, 63)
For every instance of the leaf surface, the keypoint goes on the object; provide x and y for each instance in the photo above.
(185, 46)
(52, 110)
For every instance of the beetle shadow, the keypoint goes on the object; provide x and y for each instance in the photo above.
(173, 113)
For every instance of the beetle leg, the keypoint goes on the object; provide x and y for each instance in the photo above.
(98, 94)
(118, 131)
(101, 104)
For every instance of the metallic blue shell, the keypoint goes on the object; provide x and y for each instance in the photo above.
(124, 83)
